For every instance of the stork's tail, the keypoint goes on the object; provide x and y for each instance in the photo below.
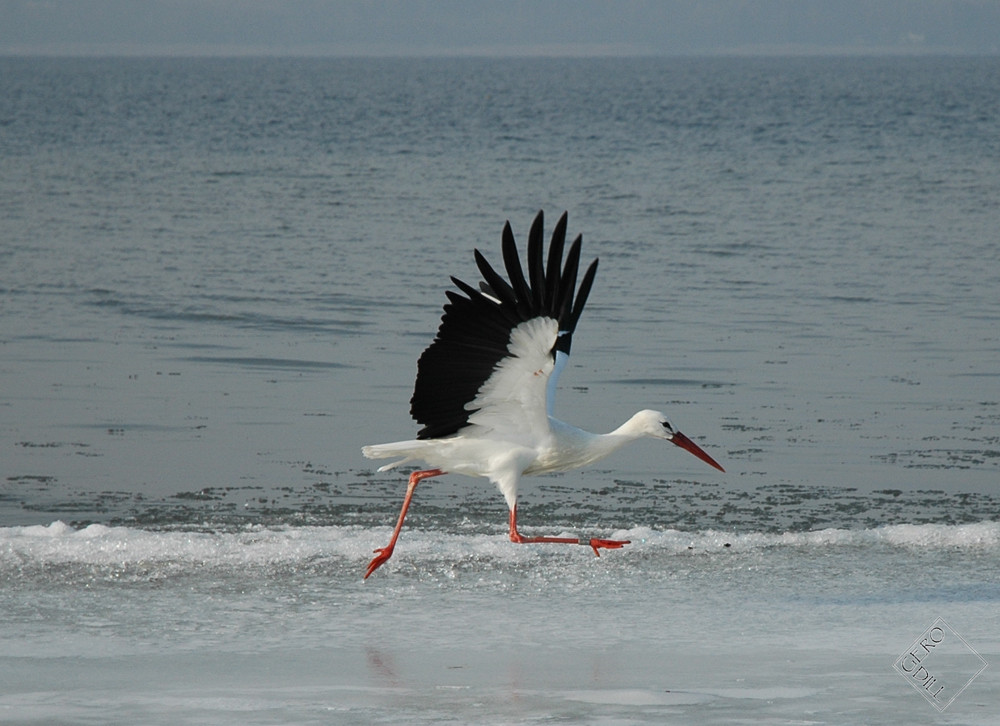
(409, 450)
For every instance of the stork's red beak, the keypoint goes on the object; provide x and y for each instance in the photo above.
(688, 445)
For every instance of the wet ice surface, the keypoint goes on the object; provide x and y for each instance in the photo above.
(276, 626)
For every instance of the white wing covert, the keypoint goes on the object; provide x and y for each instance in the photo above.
(493, 363)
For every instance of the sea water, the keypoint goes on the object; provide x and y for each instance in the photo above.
(216, 278)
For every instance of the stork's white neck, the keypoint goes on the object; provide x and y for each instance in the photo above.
(573, 448)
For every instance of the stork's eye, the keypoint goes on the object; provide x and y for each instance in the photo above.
(667, 426)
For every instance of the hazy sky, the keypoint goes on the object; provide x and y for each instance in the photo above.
(516, 27)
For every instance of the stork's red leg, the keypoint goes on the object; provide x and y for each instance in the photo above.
(516, 536)
(595, 543)
(383, 554)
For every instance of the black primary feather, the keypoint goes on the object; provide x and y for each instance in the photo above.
(475, 329)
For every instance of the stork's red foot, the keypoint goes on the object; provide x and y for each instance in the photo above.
(382, 555)
(607, 544)
(595, 543)
(518, 538)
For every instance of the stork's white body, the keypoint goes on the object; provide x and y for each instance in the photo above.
(487, 454)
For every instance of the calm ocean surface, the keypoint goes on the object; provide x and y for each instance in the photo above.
(216, 277)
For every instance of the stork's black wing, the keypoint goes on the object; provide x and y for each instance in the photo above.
(474, 340)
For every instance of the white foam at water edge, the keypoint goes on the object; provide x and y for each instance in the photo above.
(96, 544)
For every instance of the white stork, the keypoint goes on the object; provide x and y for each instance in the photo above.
(485, 387)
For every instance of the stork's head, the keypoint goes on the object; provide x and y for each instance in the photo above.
(655, 424)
